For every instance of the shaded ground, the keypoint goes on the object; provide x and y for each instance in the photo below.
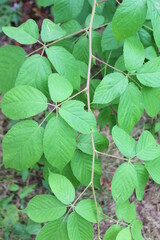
(148, 210)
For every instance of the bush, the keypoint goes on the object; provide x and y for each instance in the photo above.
(63, 80)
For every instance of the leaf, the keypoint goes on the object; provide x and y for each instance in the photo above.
(74, 114)
(23, 102)
(120, 63)
(81, 164)
(153, 167)
(134, 54)
(27, 190)
(68, 173)
(109, 42)
(59, 87)
(142, 179)
(56, 230)
(11, 59)
(153, 7)
(129, 18)
(124, 234)
(81, 49)
(65, 10)
(149, 73)
(98, 20)
(151, 98)
(124, 142)
(65, 64)
(130, 108)
(112, 232)
(126, 211)
(51, 31)
(59, 142)
(146, 37)
(78, 228)
(26, 33)
(111, 87)
(34, 72)
(124, 181)
(71, 26)
(136, 229)
(22, 145)
(147, 147)
(84, 142)
(45, 3)
(62, 188)
(104, 117)
(44, 208)
(150, 53)
(87, 209)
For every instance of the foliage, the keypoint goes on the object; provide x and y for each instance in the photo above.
(58, 82)
(9, 13)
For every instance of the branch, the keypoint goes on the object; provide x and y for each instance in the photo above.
(118, 70)
(112, 156)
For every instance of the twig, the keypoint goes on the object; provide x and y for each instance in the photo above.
(147, 27)
(118, 70)
(112, 156)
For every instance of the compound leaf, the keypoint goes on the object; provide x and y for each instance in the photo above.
(87, 209)
(26, 33)
(62, 188)
(22, 145)
(34, 72)
(147, 147)
(45, 208)
(125, 143)
(59, 87)
(111, 87)
(78, 228)
(23, 102)
(59, 142)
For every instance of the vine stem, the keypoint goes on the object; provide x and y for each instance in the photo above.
(89, 108)
(118, 70)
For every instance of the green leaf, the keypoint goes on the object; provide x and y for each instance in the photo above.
(26, 33)
(112, 232)
(13, 187)
(78, 228)
(153, 7)
(124, 181)
(81, 164)
(146, 37)
(59, 142)
(104, 117)
(136, 229)
(27, 190)
(81, 49)
(87, 209)
(109, 42)
(34, 72)
(59, 87)
(125, 143)
(22, 145)
(45, 3)
(98, 20)
(124, 234)
(126, 211)
(11, 59)
(130, 108)
(44, 208)
(129, 18)
(153, 167)
(150, 53)
(134, 54)
(84, 142)
(149, 73)
(65, 64)
(23, 102)
(56, 230)
(51, 31)
(147, 147)
(62, 188)
(68, 173)
(111, 87)
(71, 26)
(83, 69)
(120, 63)
(142, 179)
(151, 98)
(65, 10)
(74, 114)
